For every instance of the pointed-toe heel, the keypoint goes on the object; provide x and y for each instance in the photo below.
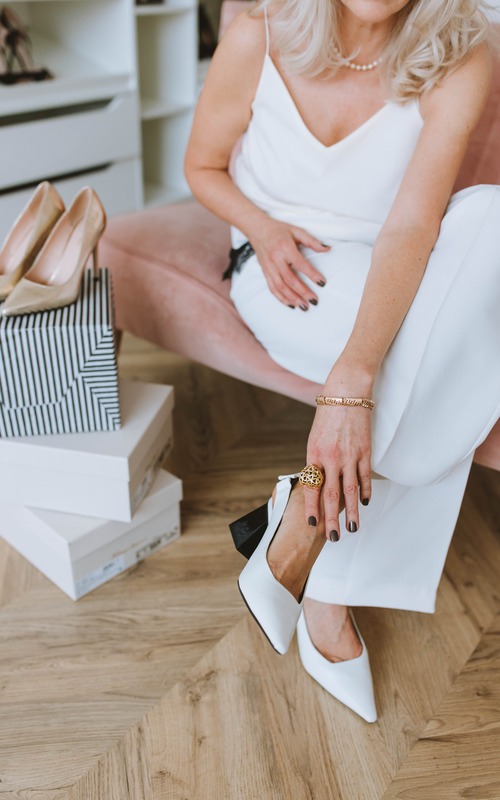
(272, 606)
(55, 278)
(349, 681)
(27, 235)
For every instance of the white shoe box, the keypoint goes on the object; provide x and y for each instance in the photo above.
(105, 474)
(81, 553)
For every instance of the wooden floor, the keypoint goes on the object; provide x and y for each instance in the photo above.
(159, 686)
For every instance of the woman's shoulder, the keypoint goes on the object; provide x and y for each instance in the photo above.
(237, 61)
(245, 34)
(467, 85)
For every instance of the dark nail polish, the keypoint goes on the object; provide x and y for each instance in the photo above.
(312, 522)
(365, 501)
(324, 245)
(291, 306)
(313, 302)
(352, 527)
(304, 308)
(334, 536)
(321, 283)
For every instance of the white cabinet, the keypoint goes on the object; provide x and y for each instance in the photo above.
(167, 69)
(118, 111)
(87, 45)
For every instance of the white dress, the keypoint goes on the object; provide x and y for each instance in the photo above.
(437, 394)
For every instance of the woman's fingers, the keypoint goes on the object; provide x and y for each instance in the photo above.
(301, 264)
(308, 240)
(365, 480)
(311, 506)
(288, 276)
(350, 491)
(289, 289)
(300, 289)
(284, 263)
(285, 293)
(331, 503)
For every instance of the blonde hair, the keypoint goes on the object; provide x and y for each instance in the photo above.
(429, 39)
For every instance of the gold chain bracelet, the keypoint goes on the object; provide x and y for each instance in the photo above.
(321, 400)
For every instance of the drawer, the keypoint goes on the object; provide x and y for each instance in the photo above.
(68, 139)
(118, 185)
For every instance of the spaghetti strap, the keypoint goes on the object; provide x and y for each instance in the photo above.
(267, 30)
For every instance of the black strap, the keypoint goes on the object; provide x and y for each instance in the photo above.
(237, 257)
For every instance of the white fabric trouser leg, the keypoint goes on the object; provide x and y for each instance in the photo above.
(437, 397)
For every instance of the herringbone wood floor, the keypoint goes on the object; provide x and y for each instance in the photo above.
(158, 686)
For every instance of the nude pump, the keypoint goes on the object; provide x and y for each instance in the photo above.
(348, 681)
(272, 606)
(55, 278)
(28, 235)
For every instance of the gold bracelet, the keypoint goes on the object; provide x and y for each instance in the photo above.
(321, 400)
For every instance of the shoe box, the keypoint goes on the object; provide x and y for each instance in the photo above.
(83, 508)
(58, 369)
(105, 474)
(80, 553)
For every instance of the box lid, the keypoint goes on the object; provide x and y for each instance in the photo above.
(76, 536)
(45, 353)
(112, 454)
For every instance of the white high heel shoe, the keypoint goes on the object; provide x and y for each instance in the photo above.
(349, 681)
(272, 606)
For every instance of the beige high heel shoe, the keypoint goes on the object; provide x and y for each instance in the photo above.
(28, 235)
(55, 278)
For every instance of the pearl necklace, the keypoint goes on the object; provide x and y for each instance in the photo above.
(359, 67)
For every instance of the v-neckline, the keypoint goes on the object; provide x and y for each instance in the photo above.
(307, 129)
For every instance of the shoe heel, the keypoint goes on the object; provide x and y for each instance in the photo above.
(272, 606)
(95, 262)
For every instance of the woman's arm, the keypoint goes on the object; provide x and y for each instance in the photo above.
(340, 439)
(222, 115)
(405, 242)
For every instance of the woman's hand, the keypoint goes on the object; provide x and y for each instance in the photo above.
(276, 247)
(340, 444)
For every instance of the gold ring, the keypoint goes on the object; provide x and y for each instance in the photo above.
(312, 477)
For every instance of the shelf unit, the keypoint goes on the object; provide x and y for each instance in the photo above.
(82, 126)
(167, 74)
(88, 46)
(118, 111)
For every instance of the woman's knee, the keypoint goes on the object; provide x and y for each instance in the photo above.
(483, 195)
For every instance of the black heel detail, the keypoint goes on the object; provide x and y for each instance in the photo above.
(247, 531)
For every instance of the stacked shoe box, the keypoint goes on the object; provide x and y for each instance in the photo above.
(82, 493)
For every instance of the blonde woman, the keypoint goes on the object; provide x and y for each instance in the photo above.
(357, 268)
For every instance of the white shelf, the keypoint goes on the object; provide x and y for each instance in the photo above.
(166, 37)
(154, 108)
(158, 195)
(76, 80)
(169, 7)
(119, 107)
(39, 2)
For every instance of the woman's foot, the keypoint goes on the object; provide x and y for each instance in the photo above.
(291, 556)
(295, 546)
(347, 678)
(331, 630)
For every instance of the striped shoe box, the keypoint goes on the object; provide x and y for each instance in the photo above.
(58, 370)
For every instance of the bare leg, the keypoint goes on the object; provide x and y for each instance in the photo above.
(331, 630)
(291, 556)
